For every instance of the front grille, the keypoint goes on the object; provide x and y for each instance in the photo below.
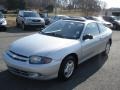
(109, 24)
(17, 71)
(36, 20)
(23, 73)
(16, 56)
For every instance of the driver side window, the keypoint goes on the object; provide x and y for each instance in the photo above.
(92, 29)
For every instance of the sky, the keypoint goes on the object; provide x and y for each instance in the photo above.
(112, 3)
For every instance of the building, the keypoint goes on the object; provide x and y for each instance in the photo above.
(112, 12)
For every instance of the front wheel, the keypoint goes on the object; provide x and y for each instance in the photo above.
(17, 24)
(24, 26)
(67, 68)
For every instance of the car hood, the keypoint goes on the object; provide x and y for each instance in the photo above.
(40, 44)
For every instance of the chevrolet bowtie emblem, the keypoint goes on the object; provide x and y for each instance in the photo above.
(14, 56)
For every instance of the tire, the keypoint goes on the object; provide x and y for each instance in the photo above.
(5, 28)
(43, 26)
(114, 27)
(107, 49)
(67, 68)
(17, 24)
(24, 26)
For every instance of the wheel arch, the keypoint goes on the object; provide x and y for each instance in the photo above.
(74, 55)
(110, 40)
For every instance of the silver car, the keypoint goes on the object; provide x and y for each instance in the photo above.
(27, 19)
(3, 22)
(58, 49)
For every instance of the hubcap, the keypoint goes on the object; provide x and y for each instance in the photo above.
(69, 68)
(107, 48)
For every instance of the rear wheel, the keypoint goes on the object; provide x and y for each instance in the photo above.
(5, 28)
(107, 49)
(114, 27)
(67, 68)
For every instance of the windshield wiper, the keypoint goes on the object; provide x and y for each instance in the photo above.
(53, 34)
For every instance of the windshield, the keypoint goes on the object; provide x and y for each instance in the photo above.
(31, 14)
(1, 15)
(43, 15)
(64, 29)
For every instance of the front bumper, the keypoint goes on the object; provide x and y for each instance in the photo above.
(34, 24)
(3, 26)
(24, 69)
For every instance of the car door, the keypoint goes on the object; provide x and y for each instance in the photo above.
(103, 34)
(90, 46)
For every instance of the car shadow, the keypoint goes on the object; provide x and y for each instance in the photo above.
(83, 72)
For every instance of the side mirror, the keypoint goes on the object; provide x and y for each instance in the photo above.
(88, 36)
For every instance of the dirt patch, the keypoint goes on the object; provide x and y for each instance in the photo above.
(11, 21)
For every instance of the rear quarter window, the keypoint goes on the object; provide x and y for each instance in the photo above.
(92, 29)
(102, 27)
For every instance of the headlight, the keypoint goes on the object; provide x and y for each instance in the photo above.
(3, 22)
(43, 21)
(39, 60)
